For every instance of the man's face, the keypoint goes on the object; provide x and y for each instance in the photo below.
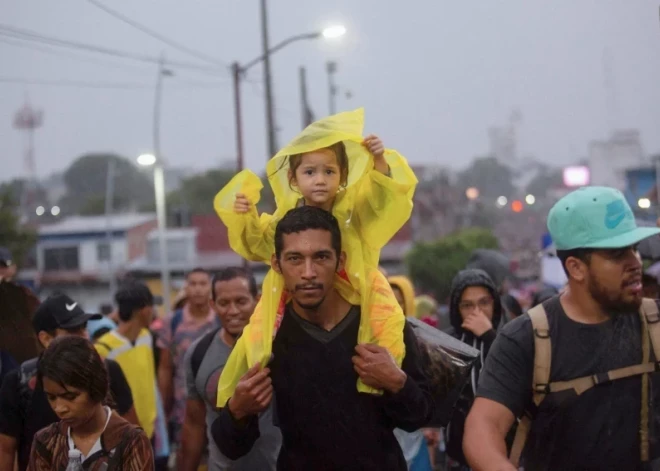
(198, 289)
(614, 279)
(476, 299)
(234, 304)
(45, 338)
(308, 264)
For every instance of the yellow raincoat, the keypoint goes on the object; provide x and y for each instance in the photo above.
(370, 210)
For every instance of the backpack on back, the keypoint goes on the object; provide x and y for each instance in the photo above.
(176, 321)
(542, 386)
(201, 349)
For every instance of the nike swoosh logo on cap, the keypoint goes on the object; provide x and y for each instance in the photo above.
(71, 307)
(616, 212)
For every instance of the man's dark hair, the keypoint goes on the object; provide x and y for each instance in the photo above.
(198, 270)
(584, 255)
(305, 218)
(132, 296)
(231, 273)
(73, 361)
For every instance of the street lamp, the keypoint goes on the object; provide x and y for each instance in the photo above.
(239, 71)
(334, 32)
(148, 160)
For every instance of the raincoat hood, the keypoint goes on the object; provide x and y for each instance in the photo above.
(346, 127)
(464, 280)
(408, 291)
(425, 305)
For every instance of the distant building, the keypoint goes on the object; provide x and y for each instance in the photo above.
(76, 256)
(642, 184)
(609, 159)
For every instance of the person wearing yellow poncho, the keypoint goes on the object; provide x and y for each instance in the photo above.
(328, 165)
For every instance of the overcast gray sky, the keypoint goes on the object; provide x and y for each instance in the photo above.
(432, 75)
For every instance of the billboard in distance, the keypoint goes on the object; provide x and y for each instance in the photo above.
(576, 176)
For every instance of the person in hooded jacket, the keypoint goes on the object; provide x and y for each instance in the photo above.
(475, 311)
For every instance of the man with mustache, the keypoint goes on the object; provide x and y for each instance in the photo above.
(593, 327)
(326, 423)
(233, 297)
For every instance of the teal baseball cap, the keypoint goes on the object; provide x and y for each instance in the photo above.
(595, 217)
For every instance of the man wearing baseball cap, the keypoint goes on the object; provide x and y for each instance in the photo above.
(24, 407)
(591, 329)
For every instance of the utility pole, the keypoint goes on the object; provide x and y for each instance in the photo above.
(238, 123)
(109, 197)
(270, 117)
(238, 116)
(307, 116)
(159, 187)
(332, 87)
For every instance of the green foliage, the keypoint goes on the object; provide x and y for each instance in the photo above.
(86, 179)
(197, 192)
(13, 235)
(489, 176)
(432, 266)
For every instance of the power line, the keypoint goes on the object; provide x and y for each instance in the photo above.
(67, 55)
(88, 84)
(155, 34)
(74, 83)
(26, 35)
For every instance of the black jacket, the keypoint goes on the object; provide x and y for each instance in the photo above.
(462, 281)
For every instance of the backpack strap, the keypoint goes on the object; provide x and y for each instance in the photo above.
(650, 322)
(201, 349)
(541, 376)
(177, 318)
(652, 317)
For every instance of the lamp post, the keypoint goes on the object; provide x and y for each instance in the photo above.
(148, 160)
(155, 160)
(238, 72)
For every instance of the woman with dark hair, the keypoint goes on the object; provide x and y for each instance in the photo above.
(75, 380)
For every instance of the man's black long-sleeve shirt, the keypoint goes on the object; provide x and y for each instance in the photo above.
(326, 423)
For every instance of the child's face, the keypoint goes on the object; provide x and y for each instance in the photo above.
(318, 178)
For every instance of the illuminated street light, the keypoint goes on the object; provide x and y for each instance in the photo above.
(55, 210)
(146, 160)
(644, 203)
(530, 200)
(40, 210)
(472, 193)
(502, 201)
(334, 32)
